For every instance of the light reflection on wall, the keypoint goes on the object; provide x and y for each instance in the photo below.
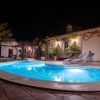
(77, 40)
(58, 43)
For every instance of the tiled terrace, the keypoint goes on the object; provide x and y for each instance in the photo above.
(12, 91)
(94, 64)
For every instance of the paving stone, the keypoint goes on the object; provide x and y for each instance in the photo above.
(91, 97)
(97, 98)
(1, 82)
(33, 92)
(3, 98)
(23, 98)
(11, 91)
(2, 95)
(74, 97)
(46, 96)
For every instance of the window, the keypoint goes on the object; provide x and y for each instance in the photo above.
(10, 52)
(66, 44)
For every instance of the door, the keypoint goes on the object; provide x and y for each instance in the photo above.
(10, 53)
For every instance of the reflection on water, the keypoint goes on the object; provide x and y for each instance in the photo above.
(76, 70)
(58, 79)
(29, 68)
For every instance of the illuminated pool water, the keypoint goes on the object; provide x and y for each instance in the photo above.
(41, 71)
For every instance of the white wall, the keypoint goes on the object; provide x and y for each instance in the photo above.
(8, 45)
(77, 40)
(60, 43)
(56, 43)
(5, 49)
(92, 44)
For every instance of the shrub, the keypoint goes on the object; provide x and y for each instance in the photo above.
(73, 50)
(54, 51)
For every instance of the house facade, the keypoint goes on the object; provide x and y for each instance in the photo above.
(9, 49)
(87, 40)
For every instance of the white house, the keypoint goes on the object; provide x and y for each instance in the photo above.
(88, 40)
(8, 49)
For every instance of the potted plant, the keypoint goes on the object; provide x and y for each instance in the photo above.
(54, 52)
(74, 50)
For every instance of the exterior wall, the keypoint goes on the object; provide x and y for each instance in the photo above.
(77, 40)
(11, 45)
(92, 44)
(4, 51)
(56, 43)
(5, 48)
(61, 44)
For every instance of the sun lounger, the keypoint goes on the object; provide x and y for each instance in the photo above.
(75, 60)
(85, 58)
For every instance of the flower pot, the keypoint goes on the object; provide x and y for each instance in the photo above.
(55, 58)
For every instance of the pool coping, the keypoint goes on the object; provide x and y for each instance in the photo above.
(59, 86)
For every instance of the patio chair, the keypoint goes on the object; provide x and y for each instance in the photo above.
(86, 58)
(89, 58)
(75, 60)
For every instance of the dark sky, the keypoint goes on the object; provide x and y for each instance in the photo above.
(39, 20)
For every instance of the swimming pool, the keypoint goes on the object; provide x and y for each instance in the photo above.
(41, 71)
(57, 77)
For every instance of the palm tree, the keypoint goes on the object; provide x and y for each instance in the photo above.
(40, 47)
(22, 45)
(5, 33)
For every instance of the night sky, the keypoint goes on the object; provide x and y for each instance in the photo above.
(29, 21)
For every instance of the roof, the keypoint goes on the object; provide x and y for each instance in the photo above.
(11, 43)
(93, 30)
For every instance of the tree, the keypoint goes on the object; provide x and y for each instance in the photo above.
(22, 45)
(5, 33)
(40, 47)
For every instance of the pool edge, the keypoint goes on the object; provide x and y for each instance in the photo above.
(59, 86)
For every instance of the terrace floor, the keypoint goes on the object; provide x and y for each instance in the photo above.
(94, 64)
(12, 91)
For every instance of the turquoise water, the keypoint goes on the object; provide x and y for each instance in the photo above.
(41, 71)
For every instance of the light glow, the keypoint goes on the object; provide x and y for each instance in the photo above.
(29, 68)
(57, 79)
(75, 70)
(29, 48)
(57, 43)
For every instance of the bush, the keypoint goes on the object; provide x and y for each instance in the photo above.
(30, 54)
(23, 55)
(54, 51)
(73, 50)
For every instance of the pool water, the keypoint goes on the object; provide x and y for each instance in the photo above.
(41, 71)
